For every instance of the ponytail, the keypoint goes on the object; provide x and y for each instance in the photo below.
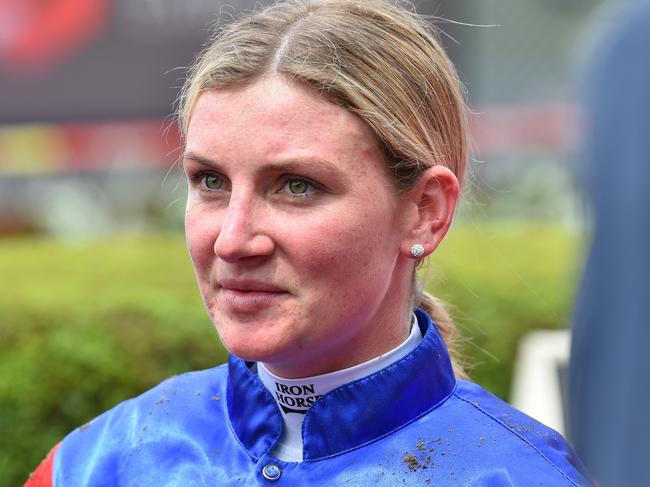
(444, 323)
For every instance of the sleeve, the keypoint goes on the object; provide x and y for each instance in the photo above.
(42, 476)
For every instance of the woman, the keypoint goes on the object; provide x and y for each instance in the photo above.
(324, 146)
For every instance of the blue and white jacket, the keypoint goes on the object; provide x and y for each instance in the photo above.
(411, 423)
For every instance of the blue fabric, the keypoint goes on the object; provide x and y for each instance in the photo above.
(408, 424)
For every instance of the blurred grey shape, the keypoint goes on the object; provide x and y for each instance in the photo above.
(610, 363)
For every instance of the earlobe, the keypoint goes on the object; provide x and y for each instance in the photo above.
(417, 250)
(435, 197)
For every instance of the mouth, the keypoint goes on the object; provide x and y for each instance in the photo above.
(247, 296)
(249, 286)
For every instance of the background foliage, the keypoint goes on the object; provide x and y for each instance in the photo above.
(86, 325)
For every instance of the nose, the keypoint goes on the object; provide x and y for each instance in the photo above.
(241, 235)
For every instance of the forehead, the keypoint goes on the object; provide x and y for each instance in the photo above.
(273, 116)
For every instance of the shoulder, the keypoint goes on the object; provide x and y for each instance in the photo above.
(180, 393)
(168, 414)
(471, 438)
(519, 441)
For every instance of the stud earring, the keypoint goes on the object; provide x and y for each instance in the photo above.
(417, 250)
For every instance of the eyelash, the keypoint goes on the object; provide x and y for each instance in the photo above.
(199, 177)
(311, 186)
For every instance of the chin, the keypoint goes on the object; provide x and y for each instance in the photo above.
(253, 345)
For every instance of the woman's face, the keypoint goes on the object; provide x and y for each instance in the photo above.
(294, 229)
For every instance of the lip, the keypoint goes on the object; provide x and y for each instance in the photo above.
(249, 285)
(249, 296)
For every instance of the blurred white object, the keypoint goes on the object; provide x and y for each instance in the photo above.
(542, 358)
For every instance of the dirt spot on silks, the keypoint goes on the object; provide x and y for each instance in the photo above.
(421, 458)
(412, 462)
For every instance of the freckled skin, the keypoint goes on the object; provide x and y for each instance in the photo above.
(335, 253)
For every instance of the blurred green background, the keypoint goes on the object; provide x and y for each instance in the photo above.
(87, 324)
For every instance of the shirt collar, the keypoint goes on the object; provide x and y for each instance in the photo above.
(353, 414)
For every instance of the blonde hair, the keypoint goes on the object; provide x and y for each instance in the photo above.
(378, 60)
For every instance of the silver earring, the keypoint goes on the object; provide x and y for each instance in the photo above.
(417, 250)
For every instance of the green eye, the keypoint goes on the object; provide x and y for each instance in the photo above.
(212, 182)
(298, 186)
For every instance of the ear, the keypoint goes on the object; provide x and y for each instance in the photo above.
(432, 203)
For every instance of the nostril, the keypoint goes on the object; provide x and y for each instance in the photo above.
(243, 247)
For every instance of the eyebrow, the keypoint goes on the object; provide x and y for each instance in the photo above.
(192, 156)
(288, 165)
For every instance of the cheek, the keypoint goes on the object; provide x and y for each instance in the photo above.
(200, 237)
(345, 255)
